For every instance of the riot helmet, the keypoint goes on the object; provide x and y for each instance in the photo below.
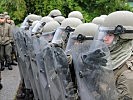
(103, 16)
(49, 30)
(76, 14)
(39, 26)
(62, 33)
(98, 20)
(84, 32)
(46, 19)
(29, 19)
(59, 19)
(55, 13)
(118, 23)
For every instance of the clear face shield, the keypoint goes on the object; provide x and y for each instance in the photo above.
(61, 36)
(76, 39)
(37, 29)
(48, 36)
(105, 35)
(111, 35)
(26, 23)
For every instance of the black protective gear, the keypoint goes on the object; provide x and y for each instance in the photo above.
(95, 59)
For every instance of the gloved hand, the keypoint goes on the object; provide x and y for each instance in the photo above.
(95, 59)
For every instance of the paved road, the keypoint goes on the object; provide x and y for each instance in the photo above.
(10, 81)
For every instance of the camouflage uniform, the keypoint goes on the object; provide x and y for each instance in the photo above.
(124, 77)
(5, 43)
(13, 52)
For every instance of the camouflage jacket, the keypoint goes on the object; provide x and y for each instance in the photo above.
(5, 34)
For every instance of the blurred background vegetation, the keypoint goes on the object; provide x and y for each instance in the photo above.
(19, 9)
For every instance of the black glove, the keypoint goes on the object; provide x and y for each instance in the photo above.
(95, 59)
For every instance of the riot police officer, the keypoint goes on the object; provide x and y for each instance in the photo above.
(118, 34)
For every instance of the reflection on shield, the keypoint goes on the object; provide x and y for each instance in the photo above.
(93, 72)
(52, 76)
(15, 32)
(39, 63)
(62, 68)
(75, 39)
(31, 69)
(57, 71)
(61, 36)
(48, 36)
(20, 46)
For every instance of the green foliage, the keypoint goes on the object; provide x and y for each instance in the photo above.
(101, 7)
(15, 8)
(18, 9)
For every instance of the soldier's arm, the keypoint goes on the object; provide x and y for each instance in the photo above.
(10, 34)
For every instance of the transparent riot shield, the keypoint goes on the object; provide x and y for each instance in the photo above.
(75, 39)
(30, 68)
(48, 36)
(93, 71)
(19, 41)
(38, 27)
(39, 63)
(54, 82)
(62, 69)
(15, 32)
(61, 36)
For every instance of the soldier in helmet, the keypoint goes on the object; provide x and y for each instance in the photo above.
(83, 33)
(5, 43)
(117, 33)
(62, 33)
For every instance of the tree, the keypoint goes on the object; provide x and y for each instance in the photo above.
(18, 9)
(15, 8)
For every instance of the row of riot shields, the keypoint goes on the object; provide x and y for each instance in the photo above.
(44, 68)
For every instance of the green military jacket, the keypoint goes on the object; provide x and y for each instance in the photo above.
(5, 34)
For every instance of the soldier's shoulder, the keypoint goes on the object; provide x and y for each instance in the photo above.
(7, 25)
